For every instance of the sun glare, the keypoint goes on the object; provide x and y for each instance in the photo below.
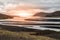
(24, 14)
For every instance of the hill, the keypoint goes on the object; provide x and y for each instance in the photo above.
(54, 14)
(3, 16)
(43, 14)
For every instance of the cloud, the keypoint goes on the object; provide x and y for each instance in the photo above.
(47, 5)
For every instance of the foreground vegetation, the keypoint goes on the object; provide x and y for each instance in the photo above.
(26, 34)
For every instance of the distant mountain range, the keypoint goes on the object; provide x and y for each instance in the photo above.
(42, 14)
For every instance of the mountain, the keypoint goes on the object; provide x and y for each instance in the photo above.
(54, 14)
(3, 16)
(41, 14)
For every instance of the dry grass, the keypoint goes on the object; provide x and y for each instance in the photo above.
(22, 35)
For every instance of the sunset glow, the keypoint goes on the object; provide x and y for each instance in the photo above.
(21, 11)
(24, 14)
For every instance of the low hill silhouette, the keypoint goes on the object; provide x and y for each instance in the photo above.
(3, 16)
(54, 14)
(43, 14)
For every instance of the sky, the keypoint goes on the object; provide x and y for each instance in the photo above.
(47, 5)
